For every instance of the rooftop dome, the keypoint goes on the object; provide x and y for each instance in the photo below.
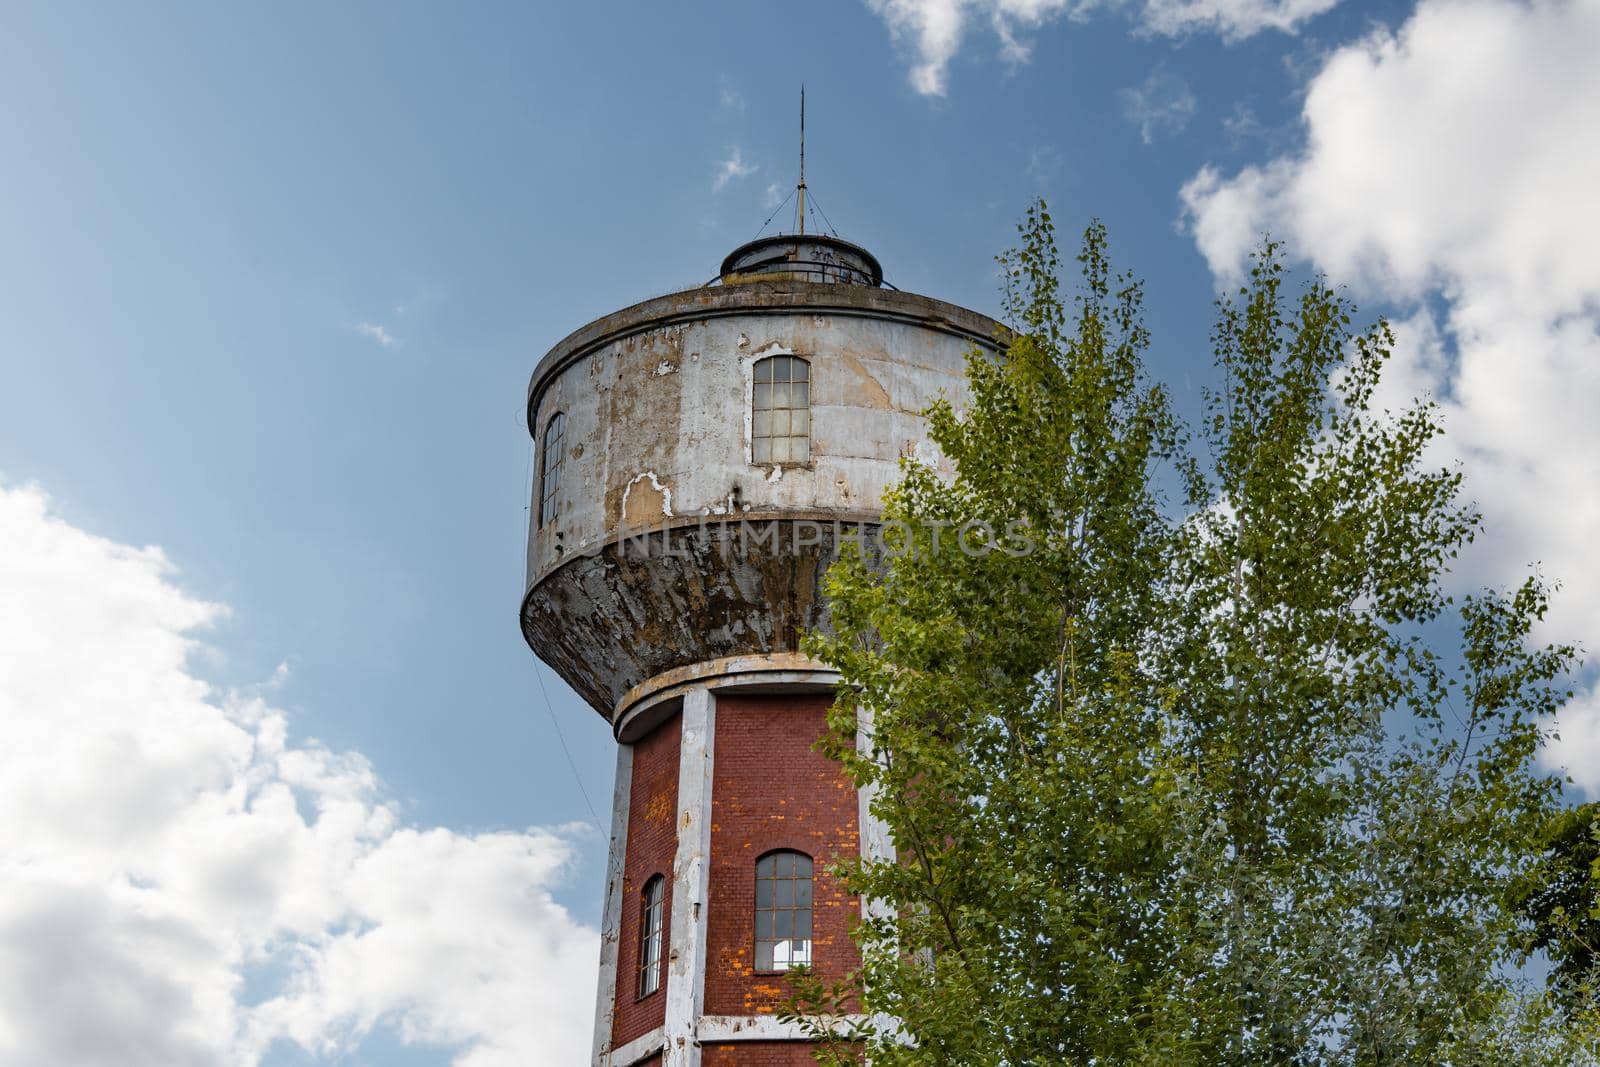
(802, 257)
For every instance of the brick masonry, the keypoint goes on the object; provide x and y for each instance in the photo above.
(652, 844)
(771, 790)
(757, 1054)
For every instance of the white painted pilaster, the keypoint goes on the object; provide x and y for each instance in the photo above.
(876, 843)
(637, 1050)
(873, 833)
(691, 872)
(611, 918)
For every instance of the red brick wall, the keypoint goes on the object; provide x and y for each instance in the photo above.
(758, 1054)
(771, 789)
(652, 844)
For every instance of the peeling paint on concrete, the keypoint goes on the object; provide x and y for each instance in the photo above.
(873, 393)
(649, 504)
(728, 505)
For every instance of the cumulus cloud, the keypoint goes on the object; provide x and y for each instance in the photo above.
(182, 884)
(731, 169)
(1451, 166)
(933, 30)
(1162, 103)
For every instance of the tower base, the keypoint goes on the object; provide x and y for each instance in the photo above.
(717, 769)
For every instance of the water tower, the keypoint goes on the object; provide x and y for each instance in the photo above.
(698, 458)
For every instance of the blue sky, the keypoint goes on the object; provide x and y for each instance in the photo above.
(273, 277)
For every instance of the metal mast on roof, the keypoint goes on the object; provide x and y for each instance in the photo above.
(825, 225)
(801, 188)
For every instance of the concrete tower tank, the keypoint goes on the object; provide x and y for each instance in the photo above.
(698, 458)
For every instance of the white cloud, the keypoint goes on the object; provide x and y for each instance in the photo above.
(1164, 102)
(732, 99)
(376, 332)
(180, 884)
(1232, 20)
(933, 29)
(731, 169)
(1576, 748)
(1451, 166)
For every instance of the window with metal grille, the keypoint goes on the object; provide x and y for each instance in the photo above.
(780, 430)
(783, 911)
(655, 891)
(550, 466)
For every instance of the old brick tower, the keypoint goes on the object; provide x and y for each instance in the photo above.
(699, 456)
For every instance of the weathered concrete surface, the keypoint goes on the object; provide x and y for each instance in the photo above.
(639, 1050)
(691, 593)
(657, 402)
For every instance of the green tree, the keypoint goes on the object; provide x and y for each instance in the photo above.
(1184, 780)
(1561, 900)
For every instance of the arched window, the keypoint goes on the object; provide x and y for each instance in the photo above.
(780, 424)
(783, 910)
(550, 466)
(655, 891)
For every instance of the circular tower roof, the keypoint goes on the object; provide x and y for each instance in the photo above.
(804, 257)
